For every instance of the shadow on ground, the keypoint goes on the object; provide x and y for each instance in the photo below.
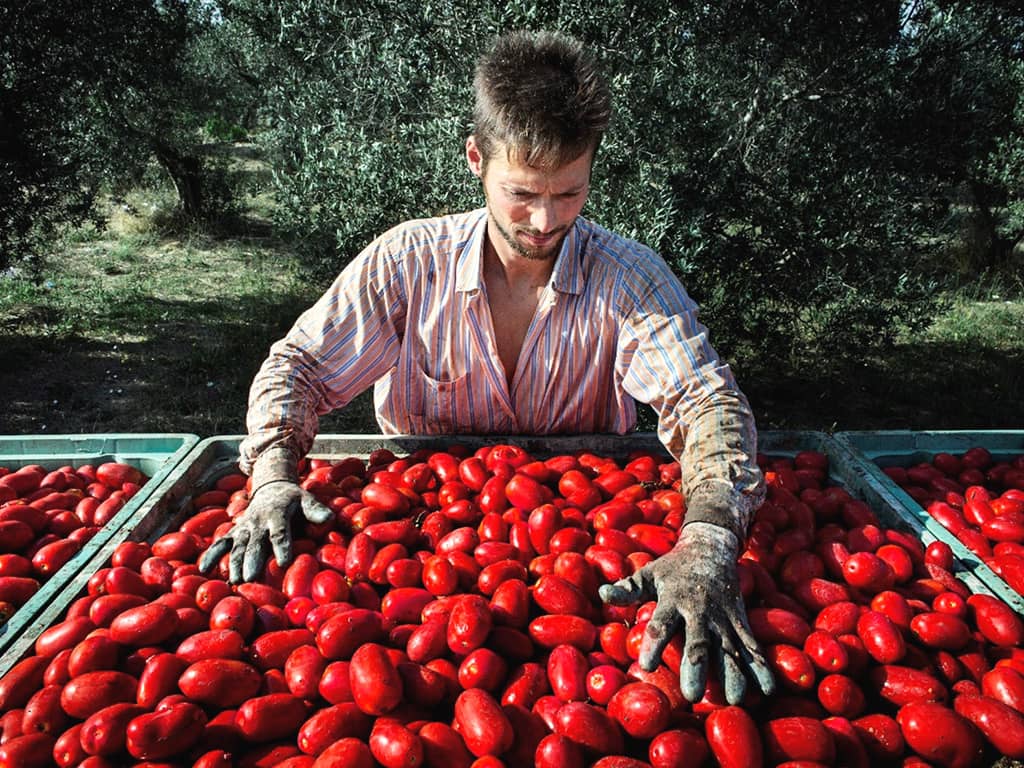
(186, 366)
(181, 366)
(914, 386)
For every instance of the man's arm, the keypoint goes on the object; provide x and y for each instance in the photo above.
(335, 350)
(707, 424)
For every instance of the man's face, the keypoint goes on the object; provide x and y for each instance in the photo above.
(530, 210)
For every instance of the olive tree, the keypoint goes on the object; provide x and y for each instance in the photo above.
(796, 162)
(90, 94)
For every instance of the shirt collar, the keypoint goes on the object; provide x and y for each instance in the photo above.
(566, 276)
(471, 270)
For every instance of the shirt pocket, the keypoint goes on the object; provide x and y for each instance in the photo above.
(441, 406)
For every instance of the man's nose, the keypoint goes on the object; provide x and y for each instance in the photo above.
(542, 217)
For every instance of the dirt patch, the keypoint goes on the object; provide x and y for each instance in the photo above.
(140, 333)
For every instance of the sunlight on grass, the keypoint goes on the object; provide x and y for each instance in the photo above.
(163, 329)
(997, 324)
(133, 285)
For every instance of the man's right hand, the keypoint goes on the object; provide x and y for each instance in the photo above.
(264, 526)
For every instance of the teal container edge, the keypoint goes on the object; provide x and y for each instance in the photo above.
(156, 454)
(170, 502)
(875, 450)
(848, 469)
(81, 449)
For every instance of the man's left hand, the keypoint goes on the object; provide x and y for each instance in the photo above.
(698, 594)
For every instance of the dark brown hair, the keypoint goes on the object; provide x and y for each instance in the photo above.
(539, 94)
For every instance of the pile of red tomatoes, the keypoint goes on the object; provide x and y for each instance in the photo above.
(979, 500)
(47, 515)
(449, 616)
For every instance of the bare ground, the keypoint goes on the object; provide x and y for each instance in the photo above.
(165, 335)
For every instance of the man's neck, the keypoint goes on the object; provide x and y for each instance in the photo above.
(516, 269)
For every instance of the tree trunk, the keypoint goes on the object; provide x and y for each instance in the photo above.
(990, 250)
(186, 173)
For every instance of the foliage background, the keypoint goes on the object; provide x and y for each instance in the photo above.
(823, 177)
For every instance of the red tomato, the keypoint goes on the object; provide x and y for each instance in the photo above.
(603, 681)
(941, 630)
(776, 625)
(679, 748)
(395, 746)
(93, 691)
(882, 639)
(469, 624)
(996, 621)
(589, 726)
(1003, 726)
(841, 696)
(376, 684)
(483, 725)
(880, 735)
(556, 751)
(1005, 685)
(221, 683)
(567, 670)
(798, 738)
(826, 653)
(903, 685)
(641, 709)
(734, 739)
(939, 734)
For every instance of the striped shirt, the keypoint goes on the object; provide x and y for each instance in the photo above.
(410, 316)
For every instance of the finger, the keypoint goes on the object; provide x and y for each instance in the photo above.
(255, 557)
(733, 680)
(214, 553)
(693, 670)
(752, 656)
(238, 555)
(738, 617)
(625, 591)
(218, 469)
(314, 511)
(757, 666)
(663, 625)
(280, 535)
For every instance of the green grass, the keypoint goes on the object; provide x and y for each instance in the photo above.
(996, 324)
(133, 330)
(136, 332)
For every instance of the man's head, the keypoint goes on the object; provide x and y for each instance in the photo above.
(539, 98)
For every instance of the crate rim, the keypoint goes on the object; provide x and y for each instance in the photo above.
(23, 618)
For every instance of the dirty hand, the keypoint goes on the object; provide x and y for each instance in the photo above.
(266, 523)
(698, 594)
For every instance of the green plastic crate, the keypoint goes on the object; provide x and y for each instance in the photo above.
(156, 455)
(875, 451)
(170, 503)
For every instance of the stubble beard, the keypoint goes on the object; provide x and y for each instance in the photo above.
(533, 254)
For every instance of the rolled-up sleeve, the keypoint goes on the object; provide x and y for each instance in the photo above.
(704, 420)
(335, 350)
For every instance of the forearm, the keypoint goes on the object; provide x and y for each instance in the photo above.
(715, 441)
(284, 401)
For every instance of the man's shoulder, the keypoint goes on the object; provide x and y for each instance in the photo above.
(434, 232)
(616, 251)
(630, 268)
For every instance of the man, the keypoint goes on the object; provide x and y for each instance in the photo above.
(519, 318)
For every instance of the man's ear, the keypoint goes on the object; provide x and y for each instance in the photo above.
(474, 158)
